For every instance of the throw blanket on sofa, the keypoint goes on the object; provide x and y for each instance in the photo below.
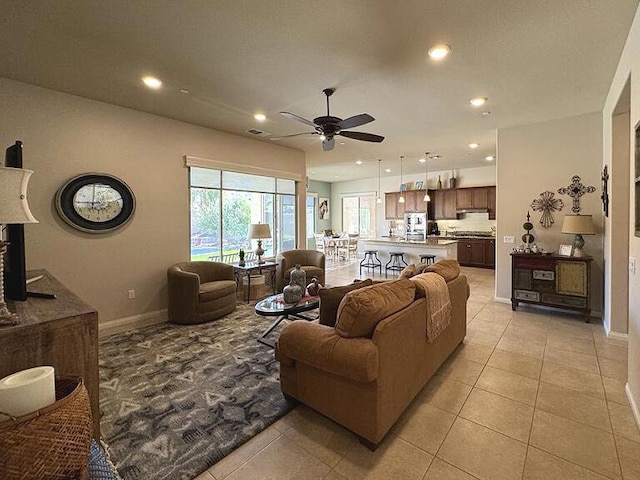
(437, 294)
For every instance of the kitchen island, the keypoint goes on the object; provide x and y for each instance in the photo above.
(412, 249)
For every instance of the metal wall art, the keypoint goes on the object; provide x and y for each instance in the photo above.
(547, 205)
(605, 192)
(576, 190)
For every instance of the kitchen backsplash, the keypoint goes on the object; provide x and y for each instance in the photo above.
(477, 222)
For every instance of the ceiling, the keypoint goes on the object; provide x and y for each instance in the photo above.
(534, 60)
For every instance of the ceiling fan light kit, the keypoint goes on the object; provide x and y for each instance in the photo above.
(328, 126)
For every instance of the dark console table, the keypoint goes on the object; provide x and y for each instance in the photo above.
(61, 332)
(551, 280)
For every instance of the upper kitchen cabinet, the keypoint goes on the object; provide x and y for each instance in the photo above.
(392, 208)
(491, 202)
(444, 204)
(476, 197)
(414, 201)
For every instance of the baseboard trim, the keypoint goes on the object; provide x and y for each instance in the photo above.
(634, 404)
(623, 337)
(119, 325)
(502, 300)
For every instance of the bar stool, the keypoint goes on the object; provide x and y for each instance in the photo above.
(394, 263)
(371, 260)
(427, 258)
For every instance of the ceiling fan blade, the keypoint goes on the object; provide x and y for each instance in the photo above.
(298, 118)
(293, 135)
(367, 137)
(355, 121)
(328, 144)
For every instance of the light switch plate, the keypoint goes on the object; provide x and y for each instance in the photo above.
(632, 265)
(509, 239)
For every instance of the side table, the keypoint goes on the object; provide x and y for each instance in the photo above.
(254, 268)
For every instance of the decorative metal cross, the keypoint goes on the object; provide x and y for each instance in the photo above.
(547, 205)
(575, 191)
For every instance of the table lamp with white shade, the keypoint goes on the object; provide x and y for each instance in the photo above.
(259, 231)
(14, 209)
(578, 225)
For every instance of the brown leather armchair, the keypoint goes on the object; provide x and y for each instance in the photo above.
(311, 261)
(200, 292)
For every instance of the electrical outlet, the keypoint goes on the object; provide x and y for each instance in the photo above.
(632, 265)
(509, 239)
(132, 294)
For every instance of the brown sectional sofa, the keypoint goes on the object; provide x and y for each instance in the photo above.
(365, 382)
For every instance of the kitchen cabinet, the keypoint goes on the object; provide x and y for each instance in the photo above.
(444, 204)
(392, 208)
(413, 203)
(476, 252)
(491, 202)
(475, 197)
(490, 253)
(551, 280)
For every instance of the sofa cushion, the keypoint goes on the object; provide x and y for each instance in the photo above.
(447, 269)
(330, 299)
(361, 310)
(214, 290)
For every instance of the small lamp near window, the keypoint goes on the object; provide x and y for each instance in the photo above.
(14, 209)
(578, 225)
(258, 231)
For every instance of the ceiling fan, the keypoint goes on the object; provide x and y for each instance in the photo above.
(328, 127)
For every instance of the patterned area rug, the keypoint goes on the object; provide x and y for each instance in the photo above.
(176, 399)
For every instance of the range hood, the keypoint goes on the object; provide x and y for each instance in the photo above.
(472, 210)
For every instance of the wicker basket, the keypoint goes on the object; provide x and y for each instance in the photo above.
(52, 442)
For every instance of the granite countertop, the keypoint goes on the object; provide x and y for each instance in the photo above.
(432, 240)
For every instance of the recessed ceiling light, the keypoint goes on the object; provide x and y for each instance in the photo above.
(486, 113)
(489, 158)
(341, 143)
(474, 145)
(422, 160)
(358, 162)
(185, 91)
(478, 101)
(388, 170)
(438, 52)
(152, 82)
(261, 117)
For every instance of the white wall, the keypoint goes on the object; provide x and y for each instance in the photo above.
(469, 177)
(629, 67)
(540, 157)
(65, 136)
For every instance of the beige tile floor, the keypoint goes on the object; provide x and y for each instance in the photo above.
(529, 395)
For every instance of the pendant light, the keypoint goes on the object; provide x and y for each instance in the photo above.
(426, 198)
(379, 199)
(401, 199)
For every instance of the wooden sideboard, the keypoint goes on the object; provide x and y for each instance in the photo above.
(62, 332)
(551, 280)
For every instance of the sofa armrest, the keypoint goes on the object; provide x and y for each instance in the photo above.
(321, 347)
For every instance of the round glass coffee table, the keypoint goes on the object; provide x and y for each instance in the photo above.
(274, 306)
